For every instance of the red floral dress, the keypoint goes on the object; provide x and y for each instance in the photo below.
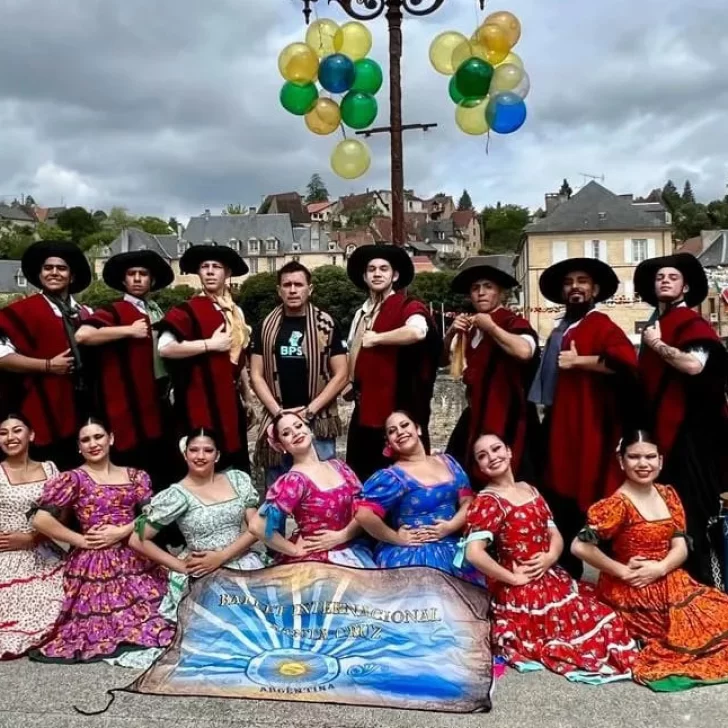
(553, 622)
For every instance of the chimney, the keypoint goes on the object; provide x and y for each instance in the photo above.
(252, 210)
(553, 200)
(207, 215)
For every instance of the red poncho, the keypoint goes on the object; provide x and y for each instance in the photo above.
(587, 416)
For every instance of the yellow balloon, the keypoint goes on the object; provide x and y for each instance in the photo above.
(509, 23)
(494, 38)
(320, 36)
(350, 159)
(353, 40)
(461, 54)
(298, 63)
(506, 77)
(511, 59)
(442, 50)
(324, 118)
(479, 50)
(471, 118)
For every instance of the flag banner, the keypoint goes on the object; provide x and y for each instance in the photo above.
(401, 638)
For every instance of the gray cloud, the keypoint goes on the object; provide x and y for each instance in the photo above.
(171, 107)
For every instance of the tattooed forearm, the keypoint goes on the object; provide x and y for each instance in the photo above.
(668, 353)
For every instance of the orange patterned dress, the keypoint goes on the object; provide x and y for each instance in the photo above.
(683, 624)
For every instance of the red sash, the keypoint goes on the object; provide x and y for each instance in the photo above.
(128, 388)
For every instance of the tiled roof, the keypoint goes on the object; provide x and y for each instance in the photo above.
(10, 274)
(717, 252)
(694, 246)
(592, 209)
(423, 264)
(315, 207)
(286, 202)
(15, 213)
(463, 218)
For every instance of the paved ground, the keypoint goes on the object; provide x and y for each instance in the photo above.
(33, 695)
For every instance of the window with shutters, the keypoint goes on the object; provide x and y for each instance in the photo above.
(639, 250)
(559, 251)
(595, 248)
(253, 264)
(271, 265)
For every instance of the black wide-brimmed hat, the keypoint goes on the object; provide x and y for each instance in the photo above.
(116, 267)
(551, 281)
(691, 268)
(36, 255)
(196, 255)
(395, 255)
(495, 268)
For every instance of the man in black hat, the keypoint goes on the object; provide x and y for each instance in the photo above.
(131, 381)
(585, 382)
(39, 345)
(204, 343)
(500, 349)
(394, 350)
(683, 372)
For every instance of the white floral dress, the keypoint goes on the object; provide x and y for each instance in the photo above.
(31, 581)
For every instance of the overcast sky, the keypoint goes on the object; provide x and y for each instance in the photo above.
(171, 106)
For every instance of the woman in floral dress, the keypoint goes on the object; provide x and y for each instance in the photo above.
(31, 567)
(211, 510)
(542, 617)
(415, 509)
(319, 496)
(112, 594)
(683, 624)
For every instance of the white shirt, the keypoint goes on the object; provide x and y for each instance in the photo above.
(478, 337)
(7, 347)
(416, 321)
(138, 304)
(697, 352)
(167, 337)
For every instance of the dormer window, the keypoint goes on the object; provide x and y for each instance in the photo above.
(271, 245)
(106, 252)
(253, 246)
(181, 248)
(332, 246)
(20, 280)
(296, 247)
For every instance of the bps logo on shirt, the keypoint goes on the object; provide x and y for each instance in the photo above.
(294, 345)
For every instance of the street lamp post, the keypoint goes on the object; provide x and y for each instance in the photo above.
(365, 10)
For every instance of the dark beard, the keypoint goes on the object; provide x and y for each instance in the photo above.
(577, 311)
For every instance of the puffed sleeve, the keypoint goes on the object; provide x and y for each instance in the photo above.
(381, 492)
(281, 500)
(50, 469)
(142, 487)
(243, 487)
(59, 492)
(166, 507)
(603, 520)
(485, 515)
(675, 506)
(461, 480)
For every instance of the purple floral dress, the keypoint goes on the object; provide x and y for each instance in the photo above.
(112, 595)
(315, 509)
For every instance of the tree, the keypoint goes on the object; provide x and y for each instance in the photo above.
(119, 218)
(336, 294)
(671, 196)
(14, 241)
(98, 294)
(503, 227)
(173, 224)
(465, 203)
(174, 296)
(687, 196)
(257, 297)
(233, 209)
(434, 287)
(566, 189)
(29, 201)
(690, 220)
(100, 215)
(79, 222)
(153, 225)
(316, 190)
(98, 240)
(361, 217)
(51, 232)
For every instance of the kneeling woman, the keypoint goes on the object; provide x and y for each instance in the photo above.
(415, 509)
(112, 594)
(543, 618)
(319, 496)
(683, 624)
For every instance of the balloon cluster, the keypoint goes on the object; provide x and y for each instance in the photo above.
(336, 57)
(489, 83)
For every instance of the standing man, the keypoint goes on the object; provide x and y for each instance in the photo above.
(39, 345)
(500, 350)
(203, 342)
(585, 382)
(132, 384)
(394, 353)
(683, 371)
(298, 362)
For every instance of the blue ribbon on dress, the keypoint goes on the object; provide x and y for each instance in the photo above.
(459, 558)
(275, 519)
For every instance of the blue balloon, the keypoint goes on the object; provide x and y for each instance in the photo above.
(337, 73)
(506, 112)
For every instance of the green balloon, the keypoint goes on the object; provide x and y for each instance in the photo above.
(298, 98)
(368, 78)
(473, 78)
(358, 110)
(458, 98)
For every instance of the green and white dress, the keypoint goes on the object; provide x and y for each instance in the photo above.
(205, 527)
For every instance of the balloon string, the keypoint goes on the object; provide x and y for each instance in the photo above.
(487, 144)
